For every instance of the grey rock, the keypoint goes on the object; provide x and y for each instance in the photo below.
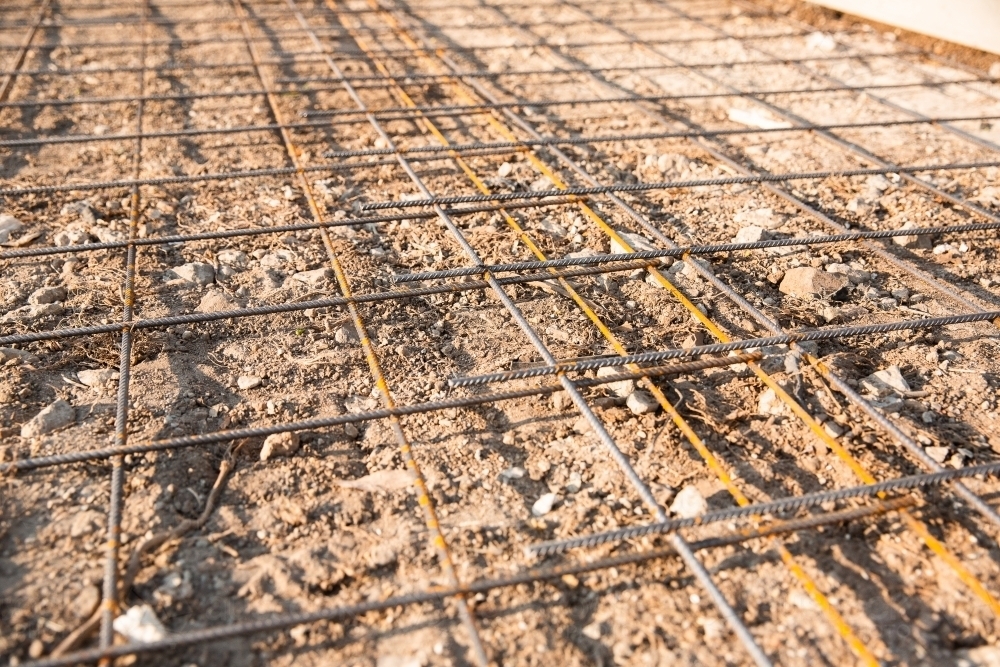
(641, 402)
(54, 417)
(806, 282)
(515, 472)
(689, 503)
(314, 278)
(833, 429)
(552, 228)
(198, 273)
(85, 602)
(276, 259)
(41, 310)
(215, 301)
(107, 235)
(856, 276)
(80, 209)
(279, 444)
(234, 258)
(8, 353)
(920, 241)
(346, 334)
(622, 388)
(47, 295)
(97, 377)
(71, 237)
(85, 523)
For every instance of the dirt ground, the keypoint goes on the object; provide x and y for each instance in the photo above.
(338, 521)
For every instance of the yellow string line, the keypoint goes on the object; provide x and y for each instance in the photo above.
(811, 588)
(423, 497)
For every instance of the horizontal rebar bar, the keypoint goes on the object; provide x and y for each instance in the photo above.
(542, 549)
(36, 463)
(645, 98)
(719, 348)
(274, 309)
(530, 576)
(406, 77)
(259, 231)
(667, 185)
(437, 148)
(694, 250)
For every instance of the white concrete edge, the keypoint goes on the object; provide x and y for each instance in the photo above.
(974, 23)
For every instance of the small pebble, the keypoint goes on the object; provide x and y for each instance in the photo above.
(248, 382)
(513, 473)
(544, 504)
(939, 454)
(279, 444)
(689, 503)
(641, 402)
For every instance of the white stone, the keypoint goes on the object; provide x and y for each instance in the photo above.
(886, 381)
(140, 625)
(199, 273)
(544, 504)
(641, 402)
(592, 631)
(515, 472)
(833, 429)
(314, 278)
(769, 405)
(505, 170)
(757, 117)
(751, 234)
(245, 382)
(622, 388)
(981, 656)
(689, 503)
(47, 295)
(939, 454)
(279, 444)
(97, 377)
(637, 242)
(54, 417)
(70, 237)
(575, 482)
(8, 225)
(760, 217)
(821, 41)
